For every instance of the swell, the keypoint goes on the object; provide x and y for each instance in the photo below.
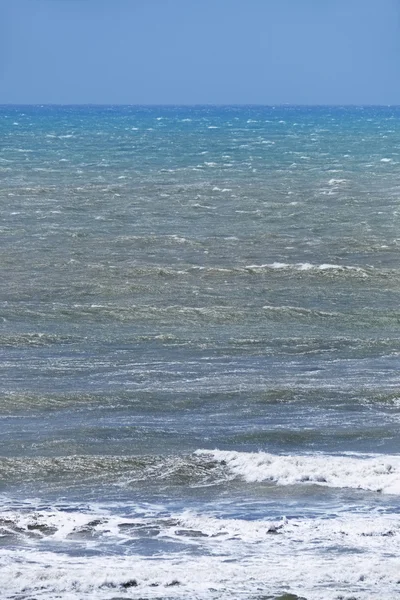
(150, 402)
(167, 315)
(375, 473)
(118, 265)
(114, 470)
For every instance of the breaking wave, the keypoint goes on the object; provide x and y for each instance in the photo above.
(373, 473)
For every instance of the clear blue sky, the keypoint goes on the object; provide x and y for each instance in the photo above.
(200, 51)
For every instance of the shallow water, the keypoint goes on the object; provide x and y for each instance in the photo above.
(200, 337)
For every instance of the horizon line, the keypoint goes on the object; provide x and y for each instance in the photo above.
(197, 104)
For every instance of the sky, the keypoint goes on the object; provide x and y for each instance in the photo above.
(200, 52)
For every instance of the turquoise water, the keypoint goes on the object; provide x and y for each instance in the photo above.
(200, 337)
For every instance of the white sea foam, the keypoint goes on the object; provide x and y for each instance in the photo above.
(177, 238)
(375, 473)
(232, 557)
(218, 189)
(307, 267)
(287, 308)
(59, 525)
(336, 181)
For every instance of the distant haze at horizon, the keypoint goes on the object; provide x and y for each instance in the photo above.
(158, 53)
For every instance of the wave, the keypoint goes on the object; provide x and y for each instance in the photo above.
(172, 313)
(122, 313)
(190, 470)
(199, 555)
(323, 267)
(372, 473)
(36, 339)
(236, 270)
(300, 311)
(77, 523)
(171, 400)
(338, 345)
(213, 467)
(303, 267)
(69, 525)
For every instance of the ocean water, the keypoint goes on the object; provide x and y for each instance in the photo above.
(200, 353)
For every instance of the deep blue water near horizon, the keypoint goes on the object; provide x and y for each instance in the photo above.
(200, 338)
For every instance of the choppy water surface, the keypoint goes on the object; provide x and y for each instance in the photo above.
(200, 338)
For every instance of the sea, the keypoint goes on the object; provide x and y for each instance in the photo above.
(199, 353)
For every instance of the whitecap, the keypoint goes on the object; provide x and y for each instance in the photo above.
(368, 472)
(336, 181)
